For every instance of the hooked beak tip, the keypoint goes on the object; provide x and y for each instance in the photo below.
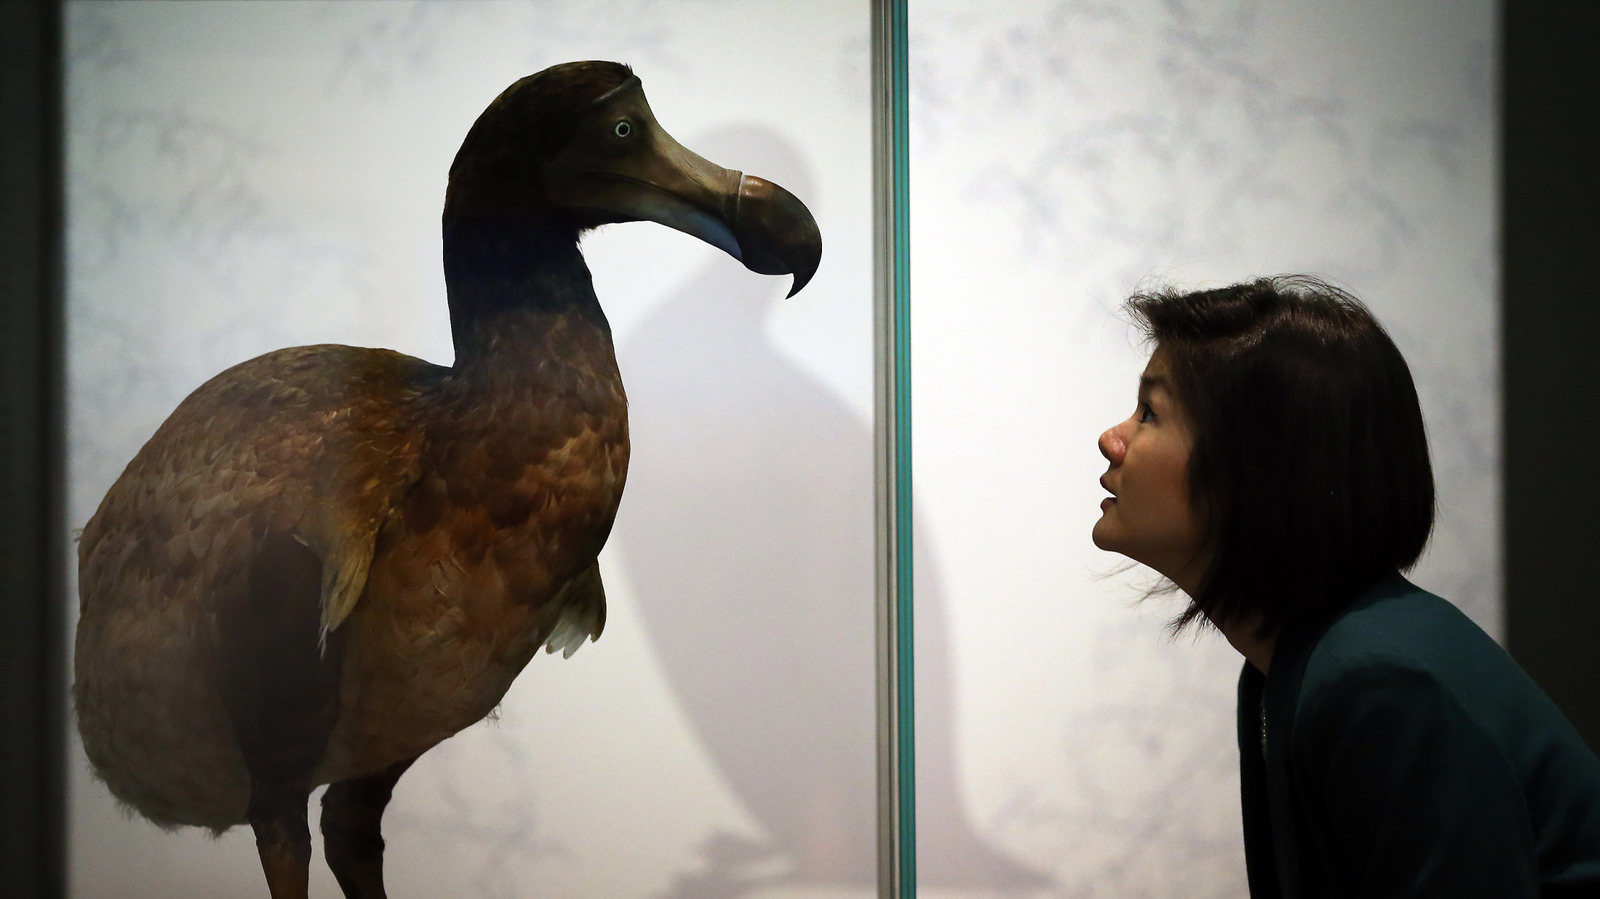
(802, 277)
(776, 232)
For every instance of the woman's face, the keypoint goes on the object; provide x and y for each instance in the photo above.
(1148, 516)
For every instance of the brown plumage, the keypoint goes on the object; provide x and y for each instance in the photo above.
(329, 559)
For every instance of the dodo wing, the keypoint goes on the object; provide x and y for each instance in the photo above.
(311, 444)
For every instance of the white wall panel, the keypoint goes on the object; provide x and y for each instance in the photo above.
(1063, 155)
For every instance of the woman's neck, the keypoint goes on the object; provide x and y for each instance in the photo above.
(1244, 636)
(1241, 635)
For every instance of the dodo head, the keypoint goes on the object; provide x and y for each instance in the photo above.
(577, 143)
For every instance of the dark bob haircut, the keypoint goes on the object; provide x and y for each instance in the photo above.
(1310, 467)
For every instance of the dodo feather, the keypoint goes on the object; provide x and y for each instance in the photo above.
(329, 559)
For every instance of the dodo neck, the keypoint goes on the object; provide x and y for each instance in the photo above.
(500, 272)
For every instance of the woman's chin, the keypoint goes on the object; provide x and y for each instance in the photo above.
(1102, 535)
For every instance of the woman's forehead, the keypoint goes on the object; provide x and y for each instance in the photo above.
(1156, 372)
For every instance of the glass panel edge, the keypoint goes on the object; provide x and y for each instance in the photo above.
(892, 411)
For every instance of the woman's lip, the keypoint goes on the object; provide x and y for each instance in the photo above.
(1107, 503)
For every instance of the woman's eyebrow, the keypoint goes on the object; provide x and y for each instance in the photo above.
(1150, 382)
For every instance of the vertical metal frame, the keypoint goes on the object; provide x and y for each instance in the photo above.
(897, 855)
(32, 606)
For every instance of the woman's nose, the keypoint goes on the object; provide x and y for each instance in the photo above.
(1113, 446)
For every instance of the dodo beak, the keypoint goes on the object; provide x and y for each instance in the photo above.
(624, 165)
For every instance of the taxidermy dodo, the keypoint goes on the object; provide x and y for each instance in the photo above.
(329, 559)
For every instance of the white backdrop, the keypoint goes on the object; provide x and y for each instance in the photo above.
(246, 176)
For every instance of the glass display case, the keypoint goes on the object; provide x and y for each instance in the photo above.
(990, 184)
(244, 177)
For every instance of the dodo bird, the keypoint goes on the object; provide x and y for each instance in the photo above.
(329, 559)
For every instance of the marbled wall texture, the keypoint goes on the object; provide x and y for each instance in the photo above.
(1063, 155)
(249, 176)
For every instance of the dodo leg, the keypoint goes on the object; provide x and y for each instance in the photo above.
(278, 816)
(282, 695)
(352, 818)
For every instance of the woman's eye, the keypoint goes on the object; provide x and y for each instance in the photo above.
(622, 128)
(1146, 414)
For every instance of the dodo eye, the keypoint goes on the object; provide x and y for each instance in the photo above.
(622, 128)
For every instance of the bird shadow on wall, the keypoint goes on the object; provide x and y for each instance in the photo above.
(747, 532)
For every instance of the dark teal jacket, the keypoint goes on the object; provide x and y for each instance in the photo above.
(1401, 752)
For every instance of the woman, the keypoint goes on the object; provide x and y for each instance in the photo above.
(1276, 470)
